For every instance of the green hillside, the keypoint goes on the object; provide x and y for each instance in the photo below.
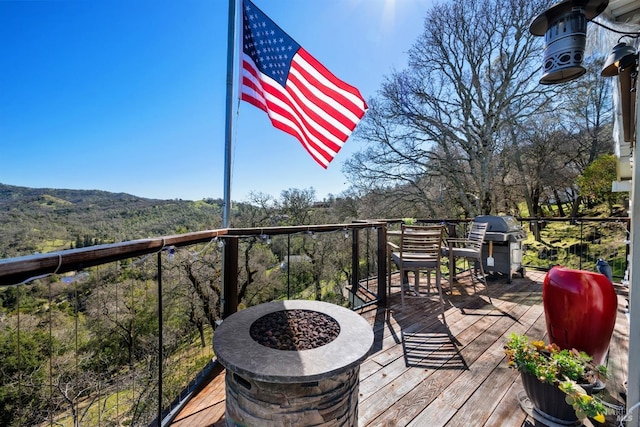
(44, 219)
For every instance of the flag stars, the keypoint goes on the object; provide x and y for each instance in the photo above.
(268, 46)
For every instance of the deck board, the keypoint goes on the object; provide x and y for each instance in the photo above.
(442, 374)
(206, 408)
(426, 371)
(482, 355)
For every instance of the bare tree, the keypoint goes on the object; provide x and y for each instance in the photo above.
(295, 205)
(439, 125)
(75, 389)
(589, 119)
(203, 275)
(589, 115)
(548, 151)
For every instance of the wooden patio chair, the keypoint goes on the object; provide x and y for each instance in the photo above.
(419, 249)
(470, 249)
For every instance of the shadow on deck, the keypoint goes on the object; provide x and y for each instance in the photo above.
(426, 371)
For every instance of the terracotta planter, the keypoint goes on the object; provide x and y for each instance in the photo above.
(580, 310)
(548, 400)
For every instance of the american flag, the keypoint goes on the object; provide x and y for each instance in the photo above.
(298, 93)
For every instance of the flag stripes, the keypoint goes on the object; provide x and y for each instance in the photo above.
(313, 105)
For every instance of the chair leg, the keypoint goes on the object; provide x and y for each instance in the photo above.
(439, 289)
(484, 280)
(471, 273)
(452, 269)
(390, 263)
(402, 277)
(389, 278)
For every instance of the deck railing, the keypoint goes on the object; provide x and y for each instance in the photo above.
(120, 333)
(578, 243)
(111, 334)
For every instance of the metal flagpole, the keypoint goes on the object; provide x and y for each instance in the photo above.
(226, 208)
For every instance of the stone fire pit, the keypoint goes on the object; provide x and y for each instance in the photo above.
(292, 363)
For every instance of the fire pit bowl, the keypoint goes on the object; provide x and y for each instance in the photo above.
(317, 385)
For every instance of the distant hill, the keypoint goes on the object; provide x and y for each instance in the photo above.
(46, 219)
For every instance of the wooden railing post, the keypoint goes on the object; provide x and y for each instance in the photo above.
(230, 277)
(355, 261)
(382, 265)
(451, 230)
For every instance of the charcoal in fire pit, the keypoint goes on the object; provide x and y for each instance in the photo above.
(294, 330)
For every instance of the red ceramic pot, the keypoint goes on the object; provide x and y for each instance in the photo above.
(580, 310)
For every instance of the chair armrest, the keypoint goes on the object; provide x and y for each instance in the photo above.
(393, 246)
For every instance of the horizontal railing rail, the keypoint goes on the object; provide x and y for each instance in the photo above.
(19, 269)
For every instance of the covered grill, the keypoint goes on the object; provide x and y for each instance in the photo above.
(503, 243)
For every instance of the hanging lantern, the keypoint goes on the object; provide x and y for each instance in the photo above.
(564, 27)
(623, 62)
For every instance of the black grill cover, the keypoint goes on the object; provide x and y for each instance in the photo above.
(499, 224)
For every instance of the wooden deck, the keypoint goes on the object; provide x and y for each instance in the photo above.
(423, 371)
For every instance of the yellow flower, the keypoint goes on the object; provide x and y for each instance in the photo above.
(539, 345)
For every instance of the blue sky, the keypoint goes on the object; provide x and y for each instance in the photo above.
(129, 95)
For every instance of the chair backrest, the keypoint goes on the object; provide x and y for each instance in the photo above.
(476, 235)
(421, 242)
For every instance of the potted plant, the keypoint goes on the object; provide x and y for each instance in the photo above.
(558, 382)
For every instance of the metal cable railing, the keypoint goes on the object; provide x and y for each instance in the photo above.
(577, 243)
(117, 334)
(121, 333)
